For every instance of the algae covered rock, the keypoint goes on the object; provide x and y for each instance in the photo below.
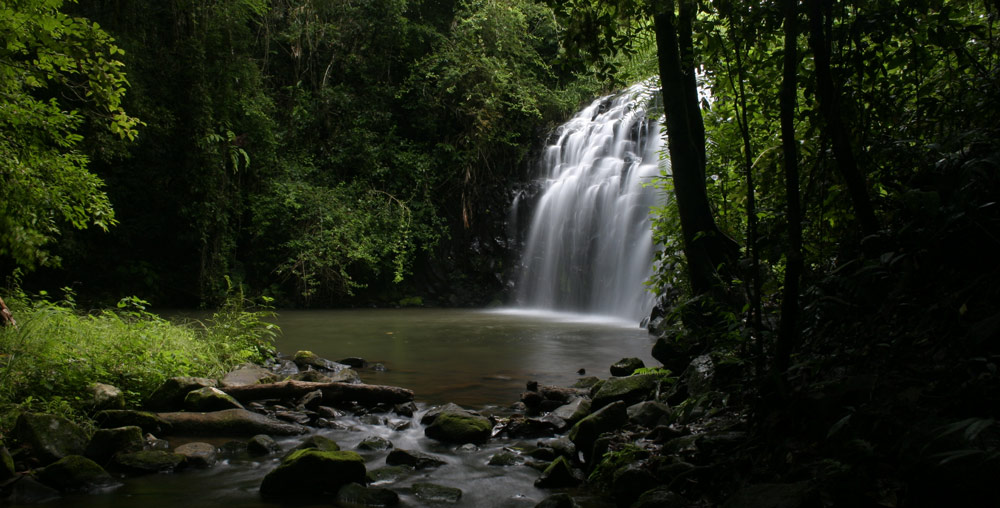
(170, 395)
(631, 390)
(49, 437)
(209, 398)
(106, 443)
(453, 427)
(74, 473)
(311, 472)
(557, 475)
(148, 462)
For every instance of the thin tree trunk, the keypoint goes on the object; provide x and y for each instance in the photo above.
(829, 105)
(705, 247)
(788, 330)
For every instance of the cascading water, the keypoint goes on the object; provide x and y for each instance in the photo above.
(589, 245)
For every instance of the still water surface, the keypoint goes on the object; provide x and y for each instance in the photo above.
(473, 358)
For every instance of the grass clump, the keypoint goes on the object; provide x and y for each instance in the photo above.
(56, 352)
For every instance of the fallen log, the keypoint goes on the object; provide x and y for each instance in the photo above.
(332, 392)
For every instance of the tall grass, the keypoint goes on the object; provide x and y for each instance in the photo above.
(57, 352)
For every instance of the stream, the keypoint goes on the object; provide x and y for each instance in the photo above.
(479, 359)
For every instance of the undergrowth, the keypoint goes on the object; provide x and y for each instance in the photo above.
(56, 351)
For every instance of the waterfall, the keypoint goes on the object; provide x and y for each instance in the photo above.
(588, 244)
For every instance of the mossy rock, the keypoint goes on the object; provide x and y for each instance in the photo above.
(317, 442)
(49, 437)
(418, 460)
(310, 473)
(106, 443)
(506, 458)
(459, 428)
(209, 398)
(261, 445)
(198, 454)
(607, 419)
(74, 473)
(558, 474)
(169, 396)
(145, 420)
(388, 474)
(626, 366)
(375, 443)
(434, 493)
(107, 397)
(354, 494)
(631, 390)
(148, 462)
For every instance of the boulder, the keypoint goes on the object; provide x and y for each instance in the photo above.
(145, 420)
(574, 411)
(414, 459)
(106, 443)
(74, 473)
(557, 475)
(247, 375)
(49, 437)
(454, 427)
(106, 396)
(148, 462)
(261, 445)
(198, 454)
(230, 422)
(626, 366)
(354, 494)
(586, 431)
(209, 399)
(649, 413)
(375, 443)
(505, 458)
(310, 473)
(434, 493)
(169, 396)
(631, 390)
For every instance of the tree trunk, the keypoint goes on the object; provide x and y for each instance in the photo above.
(788, 329)
(829, 106)
(332, 392)
(705, 247)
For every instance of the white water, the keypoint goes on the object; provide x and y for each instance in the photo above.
(589, 245)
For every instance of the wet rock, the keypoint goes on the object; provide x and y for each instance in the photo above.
(197, 454)
(316, 376)
(148, 462)
(155, 443)
(105, 443)
(399, 425)
(311, 472)
(388, 474)
(414, 459)
(649, 413)
(560, 394)
(316, 442)
(459, 427)
(329, 412)
(311, 400)
(379, 367)
(587, 430)
(532, 399)
(774, 495)
(106, 396)
(209, 399)
(629, 482)
(231, 422)
(307, 359)
(626, 366)
(375, 443)
(561, 500)
(467, 448)
(433, 413)
(26, 490)
(354, 494)
(560, 445)
(557, 475)
(586, 383)
(660, 497)
(355, 362)
(506, 458)
(699, 374)
(261, 445)
(248, 375)
(170, 395)
(145, 420)
(573, 411)
(282, 367)
(435, 493)
(296, 417)
(406, 410)
(520, 427)
(372, 420)
(544, 454)
(49, 437)
(74, 473)
(232, 449)
(631, 390)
